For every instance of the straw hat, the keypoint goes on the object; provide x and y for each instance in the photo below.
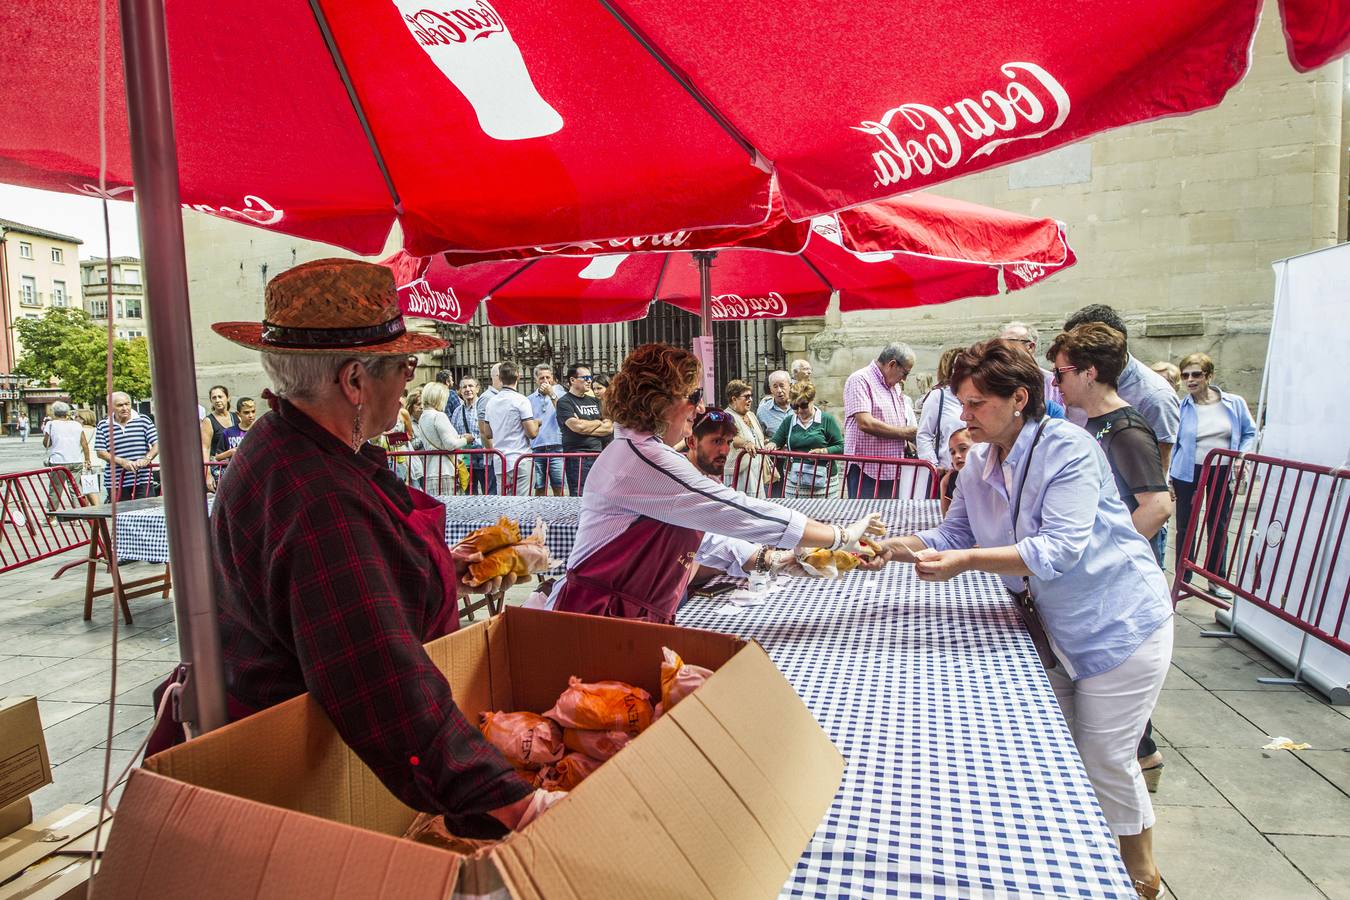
(331, 306)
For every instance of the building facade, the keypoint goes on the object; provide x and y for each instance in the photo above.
(39, 270)
(123, 275)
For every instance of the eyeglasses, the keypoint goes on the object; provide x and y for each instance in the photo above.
(716, 416)
(696, 397)
(584, 377)
(1060, 370)
(1026, 342)
(1189, 375)
(806, 404)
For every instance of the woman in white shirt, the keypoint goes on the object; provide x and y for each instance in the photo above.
(940, 416)
(646, 507)
(748, 443)
(438, 434)
(1211, 419)
(66, 449)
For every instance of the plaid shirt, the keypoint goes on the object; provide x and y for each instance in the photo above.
(322, 589)
(866, 391)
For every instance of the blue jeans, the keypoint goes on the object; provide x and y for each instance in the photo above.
(553, 468)
(1159, 543)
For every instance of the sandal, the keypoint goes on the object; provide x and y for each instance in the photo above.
(1152, 766)
(1151, 892)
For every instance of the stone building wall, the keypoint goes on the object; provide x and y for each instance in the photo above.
(1175, 223)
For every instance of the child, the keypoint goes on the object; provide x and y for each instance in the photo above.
(248, 412)
(959, 443)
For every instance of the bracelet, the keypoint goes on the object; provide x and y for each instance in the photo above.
(838, 537)
(761, 559)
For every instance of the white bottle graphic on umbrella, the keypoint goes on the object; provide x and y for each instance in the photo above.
(471, 45)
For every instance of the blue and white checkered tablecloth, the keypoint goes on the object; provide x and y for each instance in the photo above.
(961, 778)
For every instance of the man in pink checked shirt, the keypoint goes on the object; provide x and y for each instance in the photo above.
(878, 420)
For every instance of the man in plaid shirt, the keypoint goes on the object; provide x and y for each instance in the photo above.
(331, 573)
(878, 420)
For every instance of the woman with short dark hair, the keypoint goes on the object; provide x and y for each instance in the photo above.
(1037, 505)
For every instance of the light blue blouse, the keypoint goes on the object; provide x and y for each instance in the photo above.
(1098, 589)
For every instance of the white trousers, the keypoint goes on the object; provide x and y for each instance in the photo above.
(1107, 714)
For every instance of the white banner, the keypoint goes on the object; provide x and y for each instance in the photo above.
(1303, 401)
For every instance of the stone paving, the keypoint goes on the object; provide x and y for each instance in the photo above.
(1233, 820)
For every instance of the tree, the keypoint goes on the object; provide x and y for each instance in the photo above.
(66, 344)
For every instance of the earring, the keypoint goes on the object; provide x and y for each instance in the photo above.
(1017, 413)
(357, 439)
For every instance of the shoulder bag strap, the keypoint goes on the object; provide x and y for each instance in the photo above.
(1021, 484)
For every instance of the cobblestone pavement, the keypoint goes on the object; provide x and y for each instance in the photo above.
(1233, 820)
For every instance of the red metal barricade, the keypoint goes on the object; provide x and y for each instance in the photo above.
(27, 531)
(1270, 531)
(444, 473)
(560, 473)
(782, 473)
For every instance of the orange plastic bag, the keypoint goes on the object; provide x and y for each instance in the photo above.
(603, 706)
(677, 679)
(570, 771)
(493, 537)
(527, 740)
(599, 745)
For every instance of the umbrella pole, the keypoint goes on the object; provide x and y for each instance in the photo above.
(154, 160)
(703, 344)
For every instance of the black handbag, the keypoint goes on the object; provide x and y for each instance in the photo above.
(1023, 601)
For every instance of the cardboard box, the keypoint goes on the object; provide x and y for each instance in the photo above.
(49, 859)
(717, 799)
(24, 766)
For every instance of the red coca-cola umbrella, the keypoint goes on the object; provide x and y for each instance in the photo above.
(1316, 31)
(908, 251)
(501, 123)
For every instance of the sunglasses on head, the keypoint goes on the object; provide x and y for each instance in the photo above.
(716, 416)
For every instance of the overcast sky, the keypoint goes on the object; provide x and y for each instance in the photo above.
(73, 214)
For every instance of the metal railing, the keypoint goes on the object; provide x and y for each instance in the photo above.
(444, 473)
(561, 473)
(1271, 530)
(783, 473)
(28, 533)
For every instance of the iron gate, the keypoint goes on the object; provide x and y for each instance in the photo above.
(747, 350)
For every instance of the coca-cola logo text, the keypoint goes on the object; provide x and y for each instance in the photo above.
(734, 306)
(421, 299)
(674, 239)
(915, 138)
(456, 25)
(255, 211)
(1027, 271)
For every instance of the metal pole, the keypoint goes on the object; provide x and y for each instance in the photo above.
(703, 344)
(154, 160)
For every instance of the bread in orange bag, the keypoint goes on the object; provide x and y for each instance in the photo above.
(599, 745)
(569, 772)
(677, 679)
(528, 741)
(603, 706)
(502, 561)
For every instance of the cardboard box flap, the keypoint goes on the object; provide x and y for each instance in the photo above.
(753, 702)
(24, 766)
(725, 804)
(44, 837)
(170, 839)
(288, 756)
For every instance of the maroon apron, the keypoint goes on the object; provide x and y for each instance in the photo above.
(426, 522)
(641, 574)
